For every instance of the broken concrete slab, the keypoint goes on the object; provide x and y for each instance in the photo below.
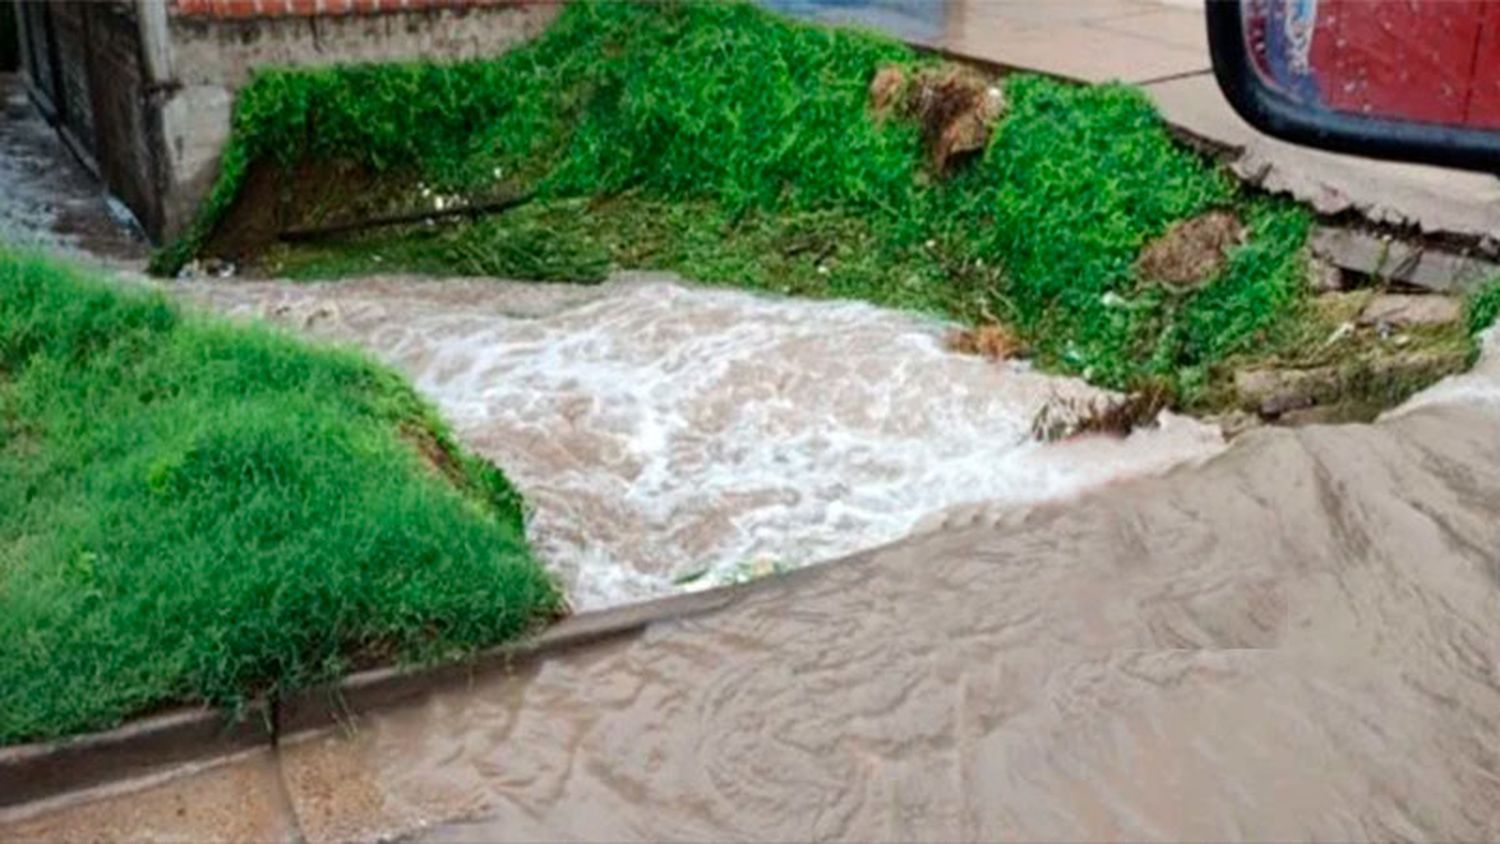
(1325, 414)
(1388, 259)
(1272, 392)
(1324, 276)
(1434, 200)
(1404, 310)
(1363, 385)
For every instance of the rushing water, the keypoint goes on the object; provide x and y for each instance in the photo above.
(1298, 638)
(672, 436)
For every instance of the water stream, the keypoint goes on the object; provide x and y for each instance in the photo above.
(671, 436)
(1293, 638)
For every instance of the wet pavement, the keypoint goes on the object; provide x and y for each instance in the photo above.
(48, 200)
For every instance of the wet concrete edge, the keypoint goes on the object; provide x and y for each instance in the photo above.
(30, 773)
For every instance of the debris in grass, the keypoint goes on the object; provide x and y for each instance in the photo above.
(207, 268)
(1061, 419)
(1343, 331)
(886, 90)
(1192, 252)
(994, 341)
(956, 107)
(753, 569)
(1233, 423)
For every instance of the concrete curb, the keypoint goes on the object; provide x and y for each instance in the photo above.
(30, 773)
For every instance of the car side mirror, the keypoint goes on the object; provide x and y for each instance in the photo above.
(1411, 80)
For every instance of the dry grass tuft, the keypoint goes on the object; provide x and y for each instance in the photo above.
(993, 340)
(1193, 251)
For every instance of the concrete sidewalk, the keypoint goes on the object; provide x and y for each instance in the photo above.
(1162, 47)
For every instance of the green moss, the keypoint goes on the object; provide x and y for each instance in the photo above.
(194, 511)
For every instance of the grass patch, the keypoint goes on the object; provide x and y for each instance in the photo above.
(735, 147)
(1483, 307)
(192, 511)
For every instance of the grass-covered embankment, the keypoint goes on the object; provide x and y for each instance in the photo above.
(723, 142)
(197, 511)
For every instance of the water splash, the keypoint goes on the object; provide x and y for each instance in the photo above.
(671, 436)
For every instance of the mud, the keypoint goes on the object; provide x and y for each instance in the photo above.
(673, 437)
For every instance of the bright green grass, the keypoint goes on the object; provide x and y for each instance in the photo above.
(196, 511)
(1483, 307)
(736, 147)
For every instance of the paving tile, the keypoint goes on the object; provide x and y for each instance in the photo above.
(240, 800)
(1434, 199)
(1034, 14)
(1075, 51)
(1176, 27)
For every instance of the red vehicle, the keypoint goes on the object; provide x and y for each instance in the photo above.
(1416, 80)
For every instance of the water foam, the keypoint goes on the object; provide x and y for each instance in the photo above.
(671, 436)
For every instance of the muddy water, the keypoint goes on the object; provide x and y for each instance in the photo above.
(673, 437)
(1298, 639)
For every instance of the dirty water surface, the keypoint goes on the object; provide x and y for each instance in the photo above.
(670, 436)
(1299, 639)
(1296, 639)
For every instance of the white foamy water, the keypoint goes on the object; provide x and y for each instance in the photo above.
(671, 436)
